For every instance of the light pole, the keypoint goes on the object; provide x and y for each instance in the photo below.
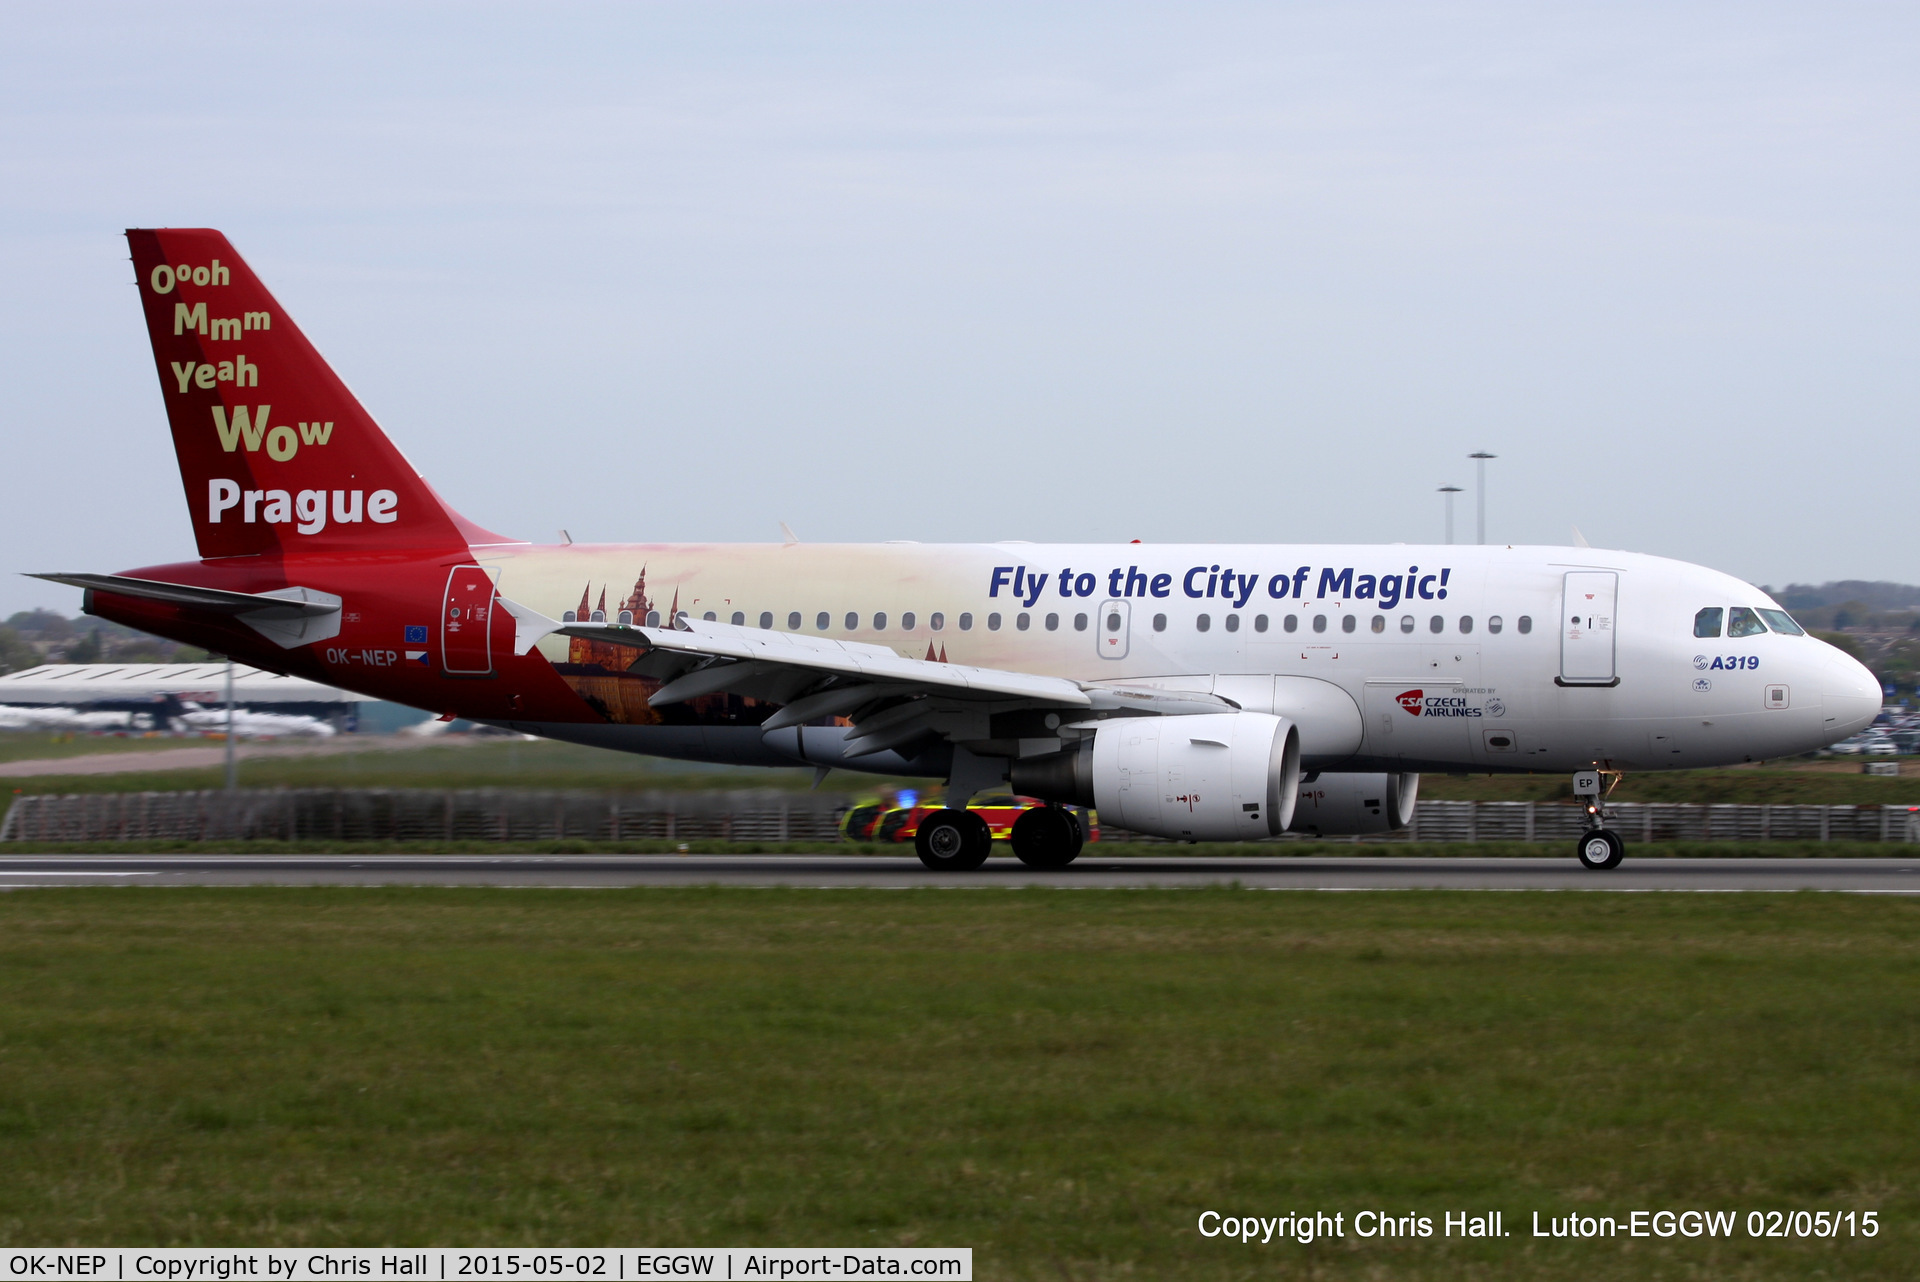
(1449, 491)
(1480, 458)
(232, 777)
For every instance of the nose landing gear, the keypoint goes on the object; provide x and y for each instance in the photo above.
(1600, 847)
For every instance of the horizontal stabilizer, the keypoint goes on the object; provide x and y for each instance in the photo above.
(288, 617)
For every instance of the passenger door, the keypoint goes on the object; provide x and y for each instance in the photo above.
(1587, 628)
(466, 620)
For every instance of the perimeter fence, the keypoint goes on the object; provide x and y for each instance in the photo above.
(410, 814)
(518, 815)
(1660, 821)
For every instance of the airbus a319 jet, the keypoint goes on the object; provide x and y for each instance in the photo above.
(1198, 692)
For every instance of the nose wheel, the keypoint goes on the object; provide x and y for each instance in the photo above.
(1601, 848)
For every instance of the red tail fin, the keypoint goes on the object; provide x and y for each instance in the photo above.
(276, 454)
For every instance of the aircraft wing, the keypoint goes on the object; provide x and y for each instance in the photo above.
(891, 700)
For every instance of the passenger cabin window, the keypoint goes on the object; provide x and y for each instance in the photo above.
(1319, 623)
(966, 623)
(1203, 622)
(1526, 624)
(1293, 623)
(853, 621)
(626, 616)
(1159, 623)
(1707, 622)
(1079, 623)
(739, 618)
(766, 619)
(1259, 623)
(709, 617)
(1436, 624)
(793, 621)
(1406, 623)
(1742, 622)
(1023, 621)
(1233, 622)
(993, 623)
(1053, 623)
(1466, 623)
(1349, 622)
(1494, 623)
(906, 621)
(1379, 623)
(653, 619)
(936, 620)
(1782, 622)
(879, 620)
(821, 620)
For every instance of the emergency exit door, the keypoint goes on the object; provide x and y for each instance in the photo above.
(466, 620)
(1114, 622)
(1587, 628)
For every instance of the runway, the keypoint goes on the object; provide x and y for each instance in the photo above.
(1362, 872)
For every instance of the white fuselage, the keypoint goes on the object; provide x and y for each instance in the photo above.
(1388, 657)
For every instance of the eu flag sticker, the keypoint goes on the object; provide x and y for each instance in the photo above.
(416, 635)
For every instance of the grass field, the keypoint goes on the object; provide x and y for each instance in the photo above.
(1799, 782)
(1061, 1080)
(39, 745)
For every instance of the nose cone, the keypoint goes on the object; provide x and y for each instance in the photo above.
(1850, 695)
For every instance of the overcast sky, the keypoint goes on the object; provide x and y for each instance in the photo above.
(971, 272)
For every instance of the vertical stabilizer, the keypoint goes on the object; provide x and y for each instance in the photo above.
(277, 456)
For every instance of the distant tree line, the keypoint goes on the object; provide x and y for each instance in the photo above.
(33, 637)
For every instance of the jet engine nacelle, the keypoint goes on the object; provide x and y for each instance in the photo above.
(1341, 805)
(1220, 776)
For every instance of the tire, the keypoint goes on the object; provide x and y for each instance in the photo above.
(1047, 837)
(1600, 849)
(953, 841)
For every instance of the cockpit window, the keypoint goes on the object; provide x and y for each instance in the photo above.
(1742, 622)
(1782, 622)
(1707, 622)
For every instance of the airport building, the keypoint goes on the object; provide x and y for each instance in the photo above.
(154, 692)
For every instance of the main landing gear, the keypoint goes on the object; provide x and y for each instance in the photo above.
(953, 840)
(1047, 837)
(957, 840)
(1600, 847)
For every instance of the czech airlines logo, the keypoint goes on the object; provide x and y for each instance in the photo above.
(1418, 704)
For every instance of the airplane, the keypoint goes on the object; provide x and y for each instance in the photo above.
(1195, 692)
(42, 717)
(251, 725)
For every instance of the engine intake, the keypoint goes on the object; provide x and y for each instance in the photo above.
(1227, 776)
